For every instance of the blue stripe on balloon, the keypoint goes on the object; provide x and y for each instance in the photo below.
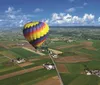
(34, 42)
(38, 26)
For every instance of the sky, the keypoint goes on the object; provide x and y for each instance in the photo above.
(15, 13)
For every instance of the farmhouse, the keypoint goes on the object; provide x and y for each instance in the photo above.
(52, 54)
(55, 56)
(19, 60)
(93, 72)
(49, 66)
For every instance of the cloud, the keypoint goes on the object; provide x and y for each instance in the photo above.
(11, 10)
(71, 10)
(45, 20)
(67, 19)
(99, 19)
(88, 17)
(14, 18)
(85, 4)
(1, 20)
(11, 16)
(38, 10)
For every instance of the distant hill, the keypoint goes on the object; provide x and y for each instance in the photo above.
(20, 28)
(10, 29)
(74, 26)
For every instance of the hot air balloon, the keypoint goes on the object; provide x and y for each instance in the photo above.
(36, 33)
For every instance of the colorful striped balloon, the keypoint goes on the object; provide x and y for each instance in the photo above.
(36, 33)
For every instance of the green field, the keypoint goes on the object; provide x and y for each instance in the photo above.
(28, 78)
(73, 79)
(3, 59)
(23, 53)
(2, 48)
(77, 68)
(74, 75)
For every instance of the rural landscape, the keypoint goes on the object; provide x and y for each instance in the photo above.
(75, 51)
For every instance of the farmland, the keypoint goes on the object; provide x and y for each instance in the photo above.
(77, 49)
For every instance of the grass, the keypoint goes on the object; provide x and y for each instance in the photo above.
(73, 79)
(2, 48)
(67, 78)
(75, 68)
(7, 68)
(94, 53)
(61, 43)
(11, 54)
(3, 59)
(93, 64)
(28, 78)
(23, 53)
(68, 53)
(96, 44)
(10, 71)
(56, 43)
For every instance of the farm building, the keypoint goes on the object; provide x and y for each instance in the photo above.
(93, 72)
(20, 60)
(49, 66)
(53, 54)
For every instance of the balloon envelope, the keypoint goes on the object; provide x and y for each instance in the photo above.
(36, 33)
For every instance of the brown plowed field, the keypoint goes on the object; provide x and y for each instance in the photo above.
(25, 64)
(67, 46)
(73, 59)
(88, 45)
(62, 68)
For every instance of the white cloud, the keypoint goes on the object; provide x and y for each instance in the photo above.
(85, 4)
(55, 16)
(71, 9)
(47, 21)
(21, 21)
(67, 19)
(99, 19)
(11, 16)
(38, 10)
(1, 20)
(88, 17)
(14, 18)
(10, 9)
(76, 19)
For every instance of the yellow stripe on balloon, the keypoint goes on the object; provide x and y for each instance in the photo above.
(31, 24)
(39, 34)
